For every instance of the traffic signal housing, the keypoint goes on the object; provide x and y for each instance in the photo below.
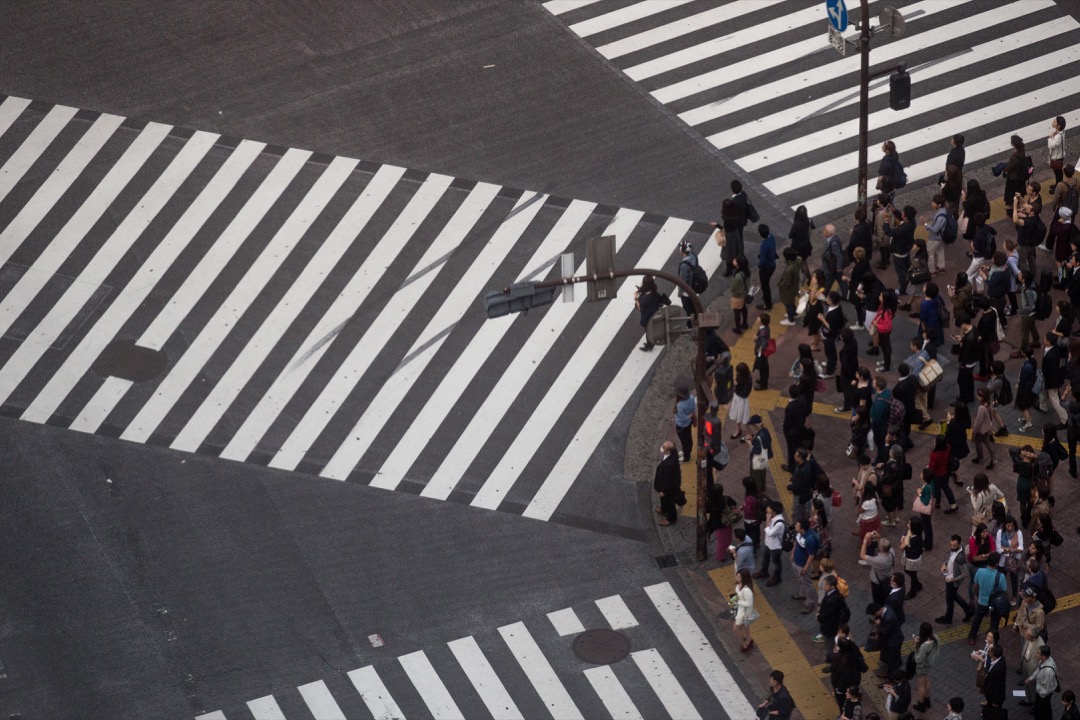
(900, 90)
(713, 432)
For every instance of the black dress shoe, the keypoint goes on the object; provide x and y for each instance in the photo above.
(785, 468)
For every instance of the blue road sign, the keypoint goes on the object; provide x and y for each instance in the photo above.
(837, 12)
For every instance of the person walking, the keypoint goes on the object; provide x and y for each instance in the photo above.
(927, 650)
(911, 546)
(988, 582)
(955, 569)
(745, 613)
(982, 429)
(980, 545)
(832, 261)
(668, 483)
(686, 273)
(766, 265)
(923, 506)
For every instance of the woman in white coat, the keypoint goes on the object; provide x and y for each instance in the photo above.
(744, 609)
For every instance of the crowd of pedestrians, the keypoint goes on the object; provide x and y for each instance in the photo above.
(849, 301)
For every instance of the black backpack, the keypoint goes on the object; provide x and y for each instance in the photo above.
(787, 543)
(699, 279)
(951, 229)
(1072, 198)
(1005, 396)
(999, 599)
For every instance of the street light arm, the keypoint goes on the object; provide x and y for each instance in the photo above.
(673, 279)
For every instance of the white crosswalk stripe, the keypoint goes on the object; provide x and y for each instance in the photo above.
(303, 308)
(776, 98)
(657, 679)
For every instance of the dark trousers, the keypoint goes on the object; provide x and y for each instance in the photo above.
(884, 341)
(1072, 455)
(878, 592)
(791, 309)
(890, 654)
(765, 277)
(792, 442)
(1025, 510)
(860, 311)
(772, 557)
(981, 611)
(830, 356)
(941, 485)
(1043, 709)
(668, 508)
(927, 531)
(761, 364)
(688, 306)
(965, 380)
(753, 531)
(686, 439)
(952, 597)
(844, 386)
(901, 264)
(879, 442)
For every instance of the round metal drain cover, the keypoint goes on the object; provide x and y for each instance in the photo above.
(601, 647)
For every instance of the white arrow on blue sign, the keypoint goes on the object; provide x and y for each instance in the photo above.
(837, 11)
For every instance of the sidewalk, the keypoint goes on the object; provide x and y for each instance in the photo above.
(782, 635)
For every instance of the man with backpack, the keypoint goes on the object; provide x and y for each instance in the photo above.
(1045, 683)
(992, 598)
(940, 232)
(1067, 192)
(691, 273)
(1026, 469)
(775, 526)
(832, 260)
(1030, 231)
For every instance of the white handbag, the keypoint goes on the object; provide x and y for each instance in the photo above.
(931, 373)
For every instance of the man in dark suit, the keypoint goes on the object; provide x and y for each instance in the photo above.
(995, 687)
(668, 482)
(904, 391)
(831, 611)
(796, 414)
(1053, 378)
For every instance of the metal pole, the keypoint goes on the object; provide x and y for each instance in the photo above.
(699, 381)
(864, 97)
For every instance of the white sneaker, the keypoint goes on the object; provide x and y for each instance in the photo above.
(682, 458)
(787, 322)
(856, 326)
(1044, 248)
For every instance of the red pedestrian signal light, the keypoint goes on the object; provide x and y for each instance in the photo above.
(713, 432)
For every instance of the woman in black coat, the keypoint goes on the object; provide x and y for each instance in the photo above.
(846, 668)
(957, 424)
(799, 235)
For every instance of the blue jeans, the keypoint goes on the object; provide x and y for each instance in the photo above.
(902, 263)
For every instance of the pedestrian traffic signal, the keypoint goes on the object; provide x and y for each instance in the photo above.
(519, 297)
(713, 432)
(900, 90)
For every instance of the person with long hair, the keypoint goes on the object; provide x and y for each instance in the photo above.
(815, 309)
(883, 324)
(952, 189)
(957, 424)
(751, 498)
(911, 545)
(744, 614)
(799, 235)
(980, 545)
(973, 202)
(1055, 144)
(1025, 397)
(983, 428)
(869, 518)
(846, 668)
(1015, 171)
(739, 409)
(939, 472)
(1010, 545)
(740, 288)
(926, 656)
(983, 495)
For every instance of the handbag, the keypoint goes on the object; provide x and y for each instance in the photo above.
(930, 373)
(752, 615)
(721, 237)
(770, 348)
(980, 677)
(837, 498)
(962, 225)
(920, 507)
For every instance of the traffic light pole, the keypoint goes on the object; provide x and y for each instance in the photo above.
(699, 380)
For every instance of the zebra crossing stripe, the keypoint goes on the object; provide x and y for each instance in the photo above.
(725, 43)
(996, 146)
(319, 700)
(94, 414)
(451, 310)
(58, 182)
(93, 273)
(258, 347)
(406, 299)
(188, 365)
(216, 715)
(551, 407)
(566, 622)
(10, 110)
(210, 266)
(345, 305)
(430, 687)
(484, 680)
(539, 343)
(616, 612)
(699, 649)
(33, 146)
(557, 7)
(540, 673)
(1016, 105)
(374, 694)
(265, 708)
(615, 18)
(468, 363)
(694, 23)
(665, 685)
(612, 693)
(775, 122)
(80, 223)
(802, 82)
(137, 289)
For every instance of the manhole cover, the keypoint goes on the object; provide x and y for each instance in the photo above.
(124, 359)
(601, 647)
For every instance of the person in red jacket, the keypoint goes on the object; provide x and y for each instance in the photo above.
(939, 468)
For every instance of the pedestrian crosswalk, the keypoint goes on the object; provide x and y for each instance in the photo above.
(759, 81)
(312, 313)
(528, 669)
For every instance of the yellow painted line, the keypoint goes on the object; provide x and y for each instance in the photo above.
(774, 642)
